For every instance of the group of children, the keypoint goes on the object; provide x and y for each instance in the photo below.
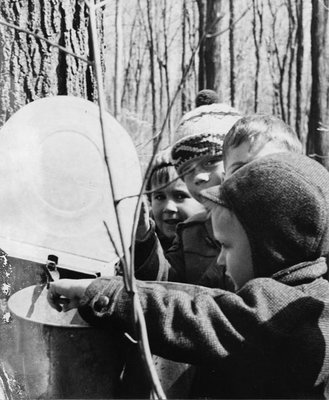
(240, 213)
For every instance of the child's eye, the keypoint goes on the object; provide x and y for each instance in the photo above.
(158, 196)
(212, 161)
(182, 196)
(224, 245)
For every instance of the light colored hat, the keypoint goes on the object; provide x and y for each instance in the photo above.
(201, 132)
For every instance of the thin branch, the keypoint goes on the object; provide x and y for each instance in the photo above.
(211, 35)
(123, 261)
(131, 288)
(102, 3)
(18, 28)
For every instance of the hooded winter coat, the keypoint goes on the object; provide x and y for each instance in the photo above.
(271, 338)
(192, 257)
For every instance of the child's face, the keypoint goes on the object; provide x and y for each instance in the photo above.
(202, 173)
(235, 253)
(171, 205)
(241, 155)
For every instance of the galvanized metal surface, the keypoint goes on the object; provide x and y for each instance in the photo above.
(58, 355)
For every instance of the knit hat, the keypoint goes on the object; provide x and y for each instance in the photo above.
(201, 132)
(282, 202)
(206, 96)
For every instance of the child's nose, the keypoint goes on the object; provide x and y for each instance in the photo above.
(201, 177)
(221, 259)
(170, 206)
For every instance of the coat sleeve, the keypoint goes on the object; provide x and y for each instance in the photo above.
(185, 323)
(152, 263)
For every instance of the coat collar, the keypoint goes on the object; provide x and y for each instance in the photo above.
(300, 273)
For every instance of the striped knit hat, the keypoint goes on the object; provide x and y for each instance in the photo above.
(201, 132)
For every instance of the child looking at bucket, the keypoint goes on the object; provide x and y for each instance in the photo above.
(270, 339)
(171, 202)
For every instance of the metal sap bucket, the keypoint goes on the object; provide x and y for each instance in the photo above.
(56, 201)
(59, 356)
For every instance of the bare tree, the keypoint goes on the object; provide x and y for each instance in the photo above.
(127, 70)
(279, 61)
(31, 67)
(291, 59)
(318, 127)
(117, 60)
(257, 30)
(210, 50)
(212, 54)
(299, 66)
(232, 53)
(202, 7)
(151, 47)
(183, 60)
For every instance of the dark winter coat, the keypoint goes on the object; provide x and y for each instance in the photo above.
(192, 258)
(269, 340)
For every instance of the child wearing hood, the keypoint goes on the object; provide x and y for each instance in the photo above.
(270, 339)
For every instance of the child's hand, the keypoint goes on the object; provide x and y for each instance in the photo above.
(143, 222)
(66, 294)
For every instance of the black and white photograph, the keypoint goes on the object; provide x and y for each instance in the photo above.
(164, 214)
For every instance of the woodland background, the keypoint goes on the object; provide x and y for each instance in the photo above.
(268, 56)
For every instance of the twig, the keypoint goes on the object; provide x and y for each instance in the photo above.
(314, 155)
(102, 3)
(122, 259)
(18, 28)
(101, 103)
(131, 285)
(211, 35)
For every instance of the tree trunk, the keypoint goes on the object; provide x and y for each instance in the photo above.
(151, 47)
(212, 55)
(202, 7)
(183, 60)
(117, 82)
(299, 67)
(257, 29)
(291, 58)
(31, 68)
(318, 128)
(232, 54)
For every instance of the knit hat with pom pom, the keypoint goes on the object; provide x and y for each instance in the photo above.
(201, 132)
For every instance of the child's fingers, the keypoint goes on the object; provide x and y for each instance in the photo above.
(53, 298)
(69, 304)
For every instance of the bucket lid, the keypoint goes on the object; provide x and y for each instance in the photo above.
(31, 304)
(56, 192)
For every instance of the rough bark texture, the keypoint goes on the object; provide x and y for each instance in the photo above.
(31, 68)
(202, 7)
(232, 53)
(213, 47)
(318, 137)
(299, 67)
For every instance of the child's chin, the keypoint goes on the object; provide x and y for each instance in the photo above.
(170, 231)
